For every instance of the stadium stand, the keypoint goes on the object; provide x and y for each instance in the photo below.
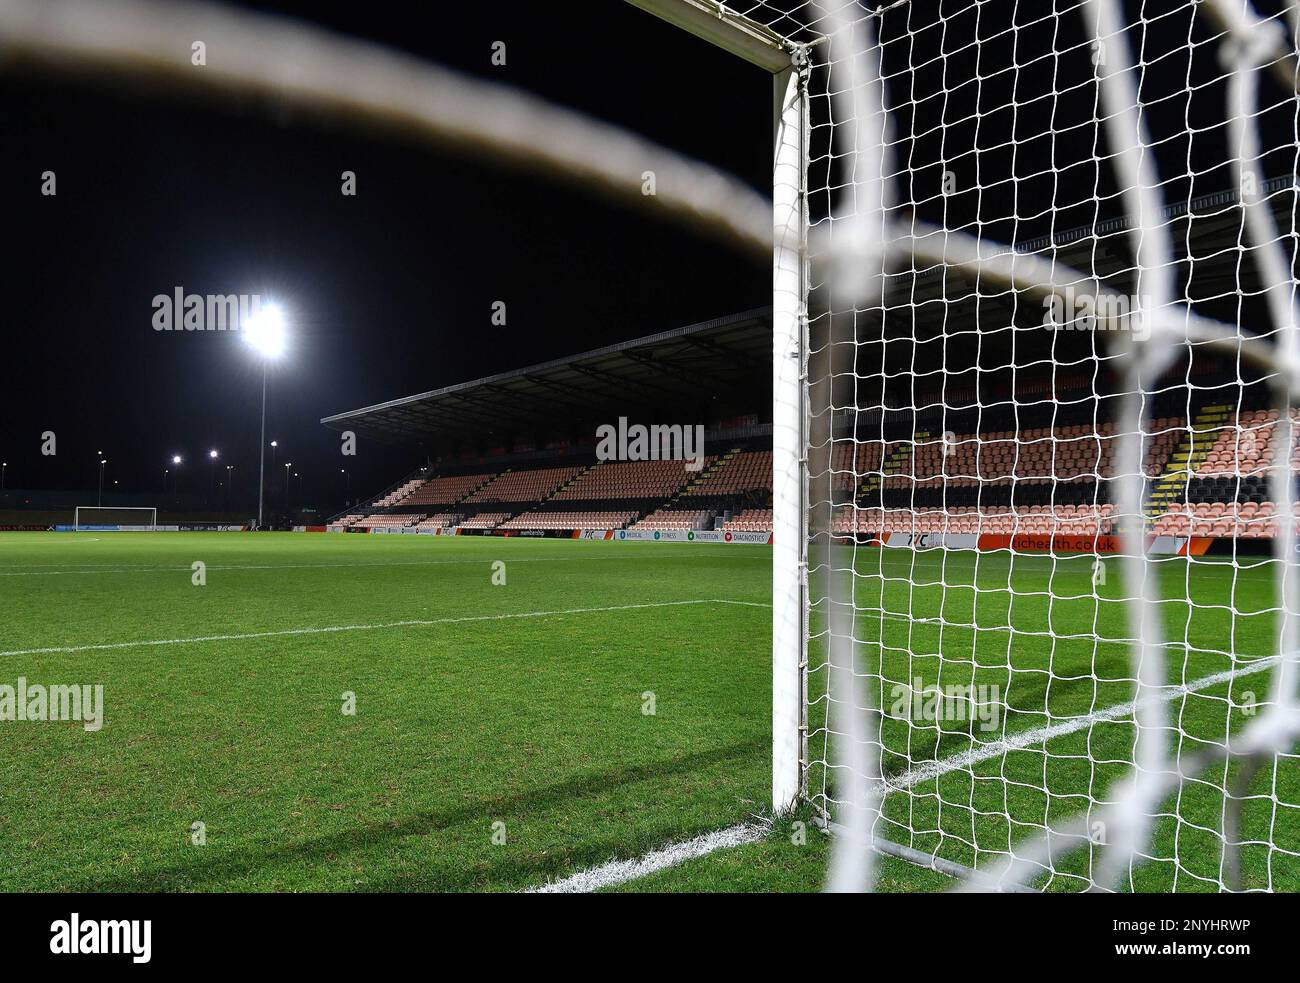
(388, 519)
(734, 474)
(1022, 520)
(399, 493)
(485, 520)
(750, 520)
(441, 520)
(628, 480)
(443, 491)
(524, 485)
(1207, 474)
(675, 519)
(1250, 520)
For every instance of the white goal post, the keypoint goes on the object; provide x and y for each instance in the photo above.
(763, 47)
(108, 518)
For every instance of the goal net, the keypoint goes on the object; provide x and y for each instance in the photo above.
(109, 519)
(1039, 267)
(1050, 337)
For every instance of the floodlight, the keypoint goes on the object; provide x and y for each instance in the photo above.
(264, 331)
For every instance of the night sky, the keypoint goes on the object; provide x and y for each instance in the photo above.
(388, 293)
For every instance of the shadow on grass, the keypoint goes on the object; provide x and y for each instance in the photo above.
(224, 867)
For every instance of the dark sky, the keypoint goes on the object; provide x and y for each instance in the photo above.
(388, 293)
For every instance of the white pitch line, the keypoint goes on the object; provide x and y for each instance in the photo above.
(1042, 735)
(621, 871)
(412, 623)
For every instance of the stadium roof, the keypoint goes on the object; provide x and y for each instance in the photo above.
(703, 371)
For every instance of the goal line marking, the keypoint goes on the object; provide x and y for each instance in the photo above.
(622, 871)
(1044, 735)
(411, 623)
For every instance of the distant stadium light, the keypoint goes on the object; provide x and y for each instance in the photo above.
(212, 454)
(176, 459)
(264, 331)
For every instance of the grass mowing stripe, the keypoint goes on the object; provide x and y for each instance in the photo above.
(622, 871)
(412, 623)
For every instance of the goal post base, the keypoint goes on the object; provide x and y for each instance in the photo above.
(930, 861)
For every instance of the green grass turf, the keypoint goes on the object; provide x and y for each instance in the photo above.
(536, 721)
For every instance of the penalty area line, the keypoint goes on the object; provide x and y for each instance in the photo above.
(327, 629)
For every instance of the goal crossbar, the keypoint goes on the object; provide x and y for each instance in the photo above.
(713, 22)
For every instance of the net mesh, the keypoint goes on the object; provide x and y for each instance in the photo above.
(1050, 462)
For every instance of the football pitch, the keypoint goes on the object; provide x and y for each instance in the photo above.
(366, 713)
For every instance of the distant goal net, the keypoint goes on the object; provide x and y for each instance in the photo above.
(111, 519)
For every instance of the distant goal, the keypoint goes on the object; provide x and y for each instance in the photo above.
(105, 519)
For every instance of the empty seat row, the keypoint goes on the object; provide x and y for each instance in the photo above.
(750, 520)
(570, 520)
(629, 479)
(675, 520)
(524, 486)
(746, 471)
